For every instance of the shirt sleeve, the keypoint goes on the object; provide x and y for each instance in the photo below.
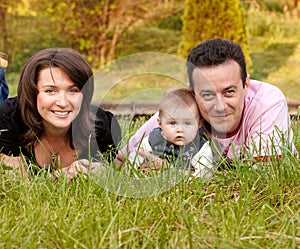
(270, 131)
(134, 156)
(142, 132)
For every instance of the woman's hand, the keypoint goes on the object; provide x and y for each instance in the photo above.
(13, 165)
(83, 167)
(72, 171)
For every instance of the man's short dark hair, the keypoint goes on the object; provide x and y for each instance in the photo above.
(215, 52)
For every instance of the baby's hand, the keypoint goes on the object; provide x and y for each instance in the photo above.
(152, 161)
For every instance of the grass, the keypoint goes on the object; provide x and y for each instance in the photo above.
(241, 208)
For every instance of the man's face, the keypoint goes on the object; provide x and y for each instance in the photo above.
(220, 95)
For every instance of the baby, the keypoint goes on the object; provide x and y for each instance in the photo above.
(177, 137)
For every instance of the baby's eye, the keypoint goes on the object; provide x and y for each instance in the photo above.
(172, 123)
(187, 123)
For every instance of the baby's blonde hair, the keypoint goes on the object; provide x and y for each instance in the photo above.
(176, 98)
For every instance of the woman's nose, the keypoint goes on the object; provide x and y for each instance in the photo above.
(62, 99)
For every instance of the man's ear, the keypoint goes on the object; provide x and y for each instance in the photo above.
(247, 84)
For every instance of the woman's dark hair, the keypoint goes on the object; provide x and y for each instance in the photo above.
(213, 53)
(79, 71)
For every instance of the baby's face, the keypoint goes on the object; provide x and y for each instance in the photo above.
(180, 126)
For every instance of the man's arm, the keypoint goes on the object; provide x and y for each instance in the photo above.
(272, 133)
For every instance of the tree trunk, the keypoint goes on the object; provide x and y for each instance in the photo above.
(114, 41)
(3, 28)
(295, 9)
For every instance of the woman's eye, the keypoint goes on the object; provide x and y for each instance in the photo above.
(74, 90)
(50, 90)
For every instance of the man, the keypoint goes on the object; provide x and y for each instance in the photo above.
(3, 84)
(245, 119)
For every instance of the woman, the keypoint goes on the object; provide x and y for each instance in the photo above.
(51, 123)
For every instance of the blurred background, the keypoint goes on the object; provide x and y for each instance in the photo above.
(105, 31)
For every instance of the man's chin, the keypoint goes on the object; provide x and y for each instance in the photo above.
(220, 129)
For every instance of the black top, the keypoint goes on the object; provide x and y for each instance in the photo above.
(107, 130)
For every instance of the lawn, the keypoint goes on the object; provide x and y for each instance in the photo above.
(240, 208)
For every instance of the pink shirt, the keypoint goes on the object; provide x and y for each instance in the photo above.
(264, 130)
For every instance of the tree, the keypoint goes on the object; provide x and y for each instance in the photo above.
(207, 19)
(95, 26)
(10, 13)
(3, 32)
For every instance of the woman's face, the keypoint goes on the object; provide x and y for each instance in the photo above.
(58, 100)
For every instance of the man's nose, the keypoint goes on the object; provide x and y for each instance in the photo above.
(219, 104)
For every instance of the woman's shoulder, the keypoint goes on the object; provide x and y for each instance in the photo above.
(11, 126)
(101, 114)
(10, 111)
(9, 106)
(107, 128)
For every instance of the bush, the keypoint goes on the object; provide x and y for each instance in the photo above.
(212, 19)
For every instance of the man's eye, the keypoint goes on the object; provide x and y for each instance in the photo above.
(229, 92)
(207, 96)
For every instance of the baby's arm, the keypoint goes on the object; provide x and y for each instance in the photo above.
(135, 158)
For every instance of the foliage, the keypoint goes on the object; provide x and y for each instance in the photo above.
(273, 40)
(172, 22)
(95, 27)
(204, 20)
(275, 48)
